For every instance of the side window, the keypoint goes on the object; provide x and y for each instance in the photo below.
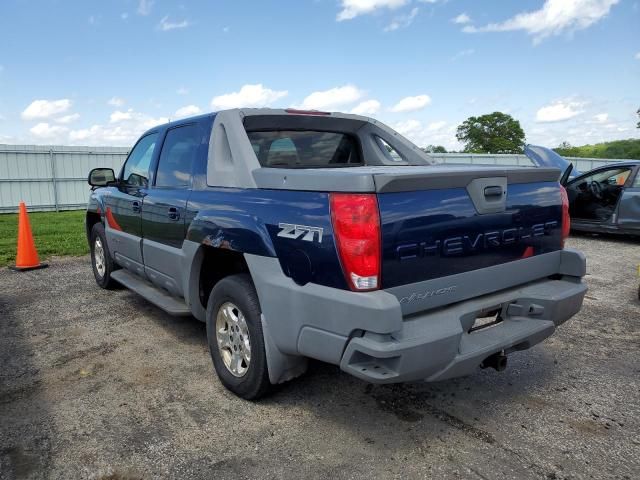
(619, 179)
(388, 151)
(611, 176)
(136, 169)
(636, 182)
(177, 156)
(614, 176)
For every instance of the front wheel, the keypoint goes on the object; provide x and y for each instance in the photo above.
(101, 261)
(234, 334)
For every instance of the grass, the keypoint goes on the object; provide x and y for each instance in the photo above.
(55, 233)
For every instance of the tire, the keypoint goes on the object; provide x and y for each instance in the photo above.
(102, 264)
(229, 346)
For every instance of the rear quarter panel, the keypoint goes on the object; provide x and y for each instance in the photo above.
(247, 221)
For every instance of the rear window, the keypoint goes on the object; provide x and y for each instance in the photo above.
(305, 149)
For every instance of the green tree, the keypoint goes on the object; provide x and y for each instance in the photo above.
(618, 149)
(495, 132)
(638, 112)
(435, 149)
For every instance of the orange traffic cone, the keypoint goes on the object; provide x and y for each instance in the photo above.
(27, 257)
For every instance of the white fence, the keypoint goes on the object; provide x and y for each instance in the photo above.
(55, 178)
(51, 177)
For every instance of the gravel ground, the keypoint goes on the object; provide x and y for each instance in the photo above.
(98, 384)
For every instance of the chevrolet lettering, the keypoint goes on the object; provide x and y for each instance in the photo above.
(466, 244)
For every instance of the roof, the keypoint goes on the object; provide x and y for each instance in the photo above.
(181, 121)
(245, 112)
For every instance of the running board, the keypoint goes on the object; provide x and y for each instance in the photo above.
(155, 295)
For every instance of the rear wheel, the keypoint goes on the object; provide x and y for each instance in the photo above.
(101, 261)
(234, 334)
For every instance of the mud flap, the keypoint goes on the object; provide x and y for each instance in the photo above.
(281, 367)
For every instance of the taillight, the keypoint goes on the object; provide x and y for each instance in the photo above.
(566, 220)
(356, 228)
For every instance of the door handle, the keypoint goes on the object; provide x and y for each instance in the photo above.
(173, 214)
(135, 206)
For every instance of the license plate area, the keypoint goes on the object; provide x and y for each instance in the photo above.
(487, 318)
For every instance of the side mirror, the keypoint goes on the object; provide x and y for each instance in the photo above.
(101, 177)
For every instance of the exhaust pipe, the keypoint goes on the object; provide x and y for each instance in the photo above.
(498, 361)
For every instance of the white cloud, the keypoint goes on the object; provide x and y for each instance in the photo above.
(68, 118)
(410, 104)
(144, 7)
(182, 91)
(165, 24)
(435, 126)
(124, 131)
(402, 21)
(411, 128)
(46, 108)
(408, 128)
(601, 117)
(554, 18)
(119, 116)
(101, 135)
(368, 107)
(461, 19)
(116, 102)
(49, 132)
(637, 57)
(435, 133)
(582, 130)
(353, 8)
(559, 111)
(188, 111)
(462, 53)
(248, 96)
(332, 98)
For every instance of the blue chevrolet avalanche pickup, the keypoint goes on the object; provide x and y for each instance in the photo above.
(304, 234)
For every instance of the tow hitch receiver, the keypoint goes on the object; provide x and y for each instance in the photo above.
(498, 361)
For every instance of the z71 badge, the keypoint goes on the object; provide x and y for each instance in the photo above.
(300, 232)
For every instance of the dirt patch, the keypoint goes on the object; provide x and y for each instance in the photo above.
(100, 384)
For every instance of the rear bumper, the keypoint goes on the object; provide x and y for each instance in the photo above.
(438, 345)
(408, 333)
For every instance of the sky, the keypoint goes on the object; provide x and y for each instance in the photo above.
(95, 72)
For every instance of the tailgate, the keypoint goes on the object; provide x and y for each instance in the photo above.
(465, 219)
